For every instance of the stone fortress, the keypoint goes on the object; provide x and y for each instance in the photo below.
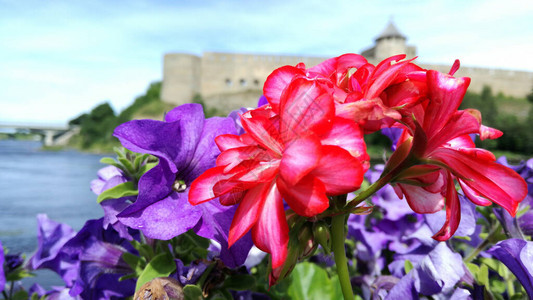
(227, 81)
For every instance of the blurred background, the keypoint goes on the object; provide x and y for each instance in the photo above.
(71, 71)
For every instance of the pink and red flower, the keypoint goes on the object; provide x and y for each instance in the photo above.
(295, 149)
(437, 139)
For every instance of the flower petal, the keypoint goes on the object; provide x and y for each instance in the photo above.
(248, 211)
(306, 108)
(277, 82)
(340, 172)
(271, 232)
(307, 198)
(299, 158)
(165, 219)
(420, 200)
(453, 212)
(496, 182)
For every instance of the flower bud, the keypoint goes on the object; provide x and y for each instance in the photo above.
(322, 235)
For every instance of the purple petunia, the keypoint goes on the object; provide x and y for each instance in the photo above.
(185, 146)
(517, 255)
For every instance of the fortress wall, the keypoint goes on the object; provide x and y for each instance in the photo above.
(181, 78)
(228, 80)
(226, 74)
(509, 82)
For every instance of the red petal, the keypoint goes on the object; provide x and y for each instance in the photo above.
(299, 158)
(489, 133)
(340, 172)
(248, 212)
(446, 94)
(277, 82)
(453, 212)
(383, 76)
(420, 200)
(489, 179)
(229, 141)
(347, 135)
(306, 107)
(264, 132)
(202, 187)
(473, 196)
(271, 232)
(460, 123)
(307, 198)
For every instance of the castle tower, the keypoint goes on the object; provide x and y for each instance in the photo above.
(388, 43)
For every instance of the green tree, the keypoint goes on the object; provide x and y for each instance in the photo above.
(98, 125)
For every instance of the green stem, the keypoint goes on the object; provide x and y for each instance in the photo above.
(338, 235)
(474, 253)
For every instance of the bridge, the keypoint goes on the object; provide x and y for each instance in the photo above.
(51, 135)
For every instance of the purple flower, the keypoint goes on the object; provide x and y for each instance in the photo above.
(185, 146)
(517, 255)
(51, 237)
(99, 264)
(393, 134)
(437, 272)
(188, 274)
(262, 101)
(2, 275)
(108, 177)
(12, 262)
(236, 117)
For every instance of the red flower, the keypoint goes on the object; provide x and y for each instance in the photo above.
(296, 150)
(438, 140)
(372, 96)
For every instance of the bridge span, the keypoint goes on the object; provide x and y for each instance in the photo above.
(51, 135)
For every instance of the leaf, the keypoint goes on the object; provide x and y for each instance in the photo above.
(108, 161)
(408, 266)
(20, 295)
(240, 282)
(122, 190)
(161, 266)
(136, 263)
(309, 281)
(192, 292)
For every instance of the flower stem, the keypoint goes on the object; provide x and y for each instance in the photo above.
(475, 252)
(338, 235)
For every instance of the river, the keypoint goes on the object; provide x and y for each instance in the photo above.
(55, 183)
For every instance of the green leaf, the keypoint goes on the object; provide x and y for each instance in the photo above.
(135, 262)
(127, 164)
(108, 161)
(240, 282)
(18, 274)
(20, 295)
(408, 266)
(309, 281)
(122, 190)
(483, 275)
(161, 266)
(192, 292)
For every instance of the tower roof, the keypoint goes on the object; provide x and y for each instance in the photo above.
(391, 31)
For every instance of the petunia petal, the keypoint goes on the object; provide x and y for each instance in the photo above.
(165, 219)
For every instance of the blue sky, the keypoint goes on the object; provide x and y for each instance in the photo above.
(61, 58)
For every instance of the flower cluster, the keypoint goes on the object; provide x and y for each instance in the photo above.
(187, 196)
